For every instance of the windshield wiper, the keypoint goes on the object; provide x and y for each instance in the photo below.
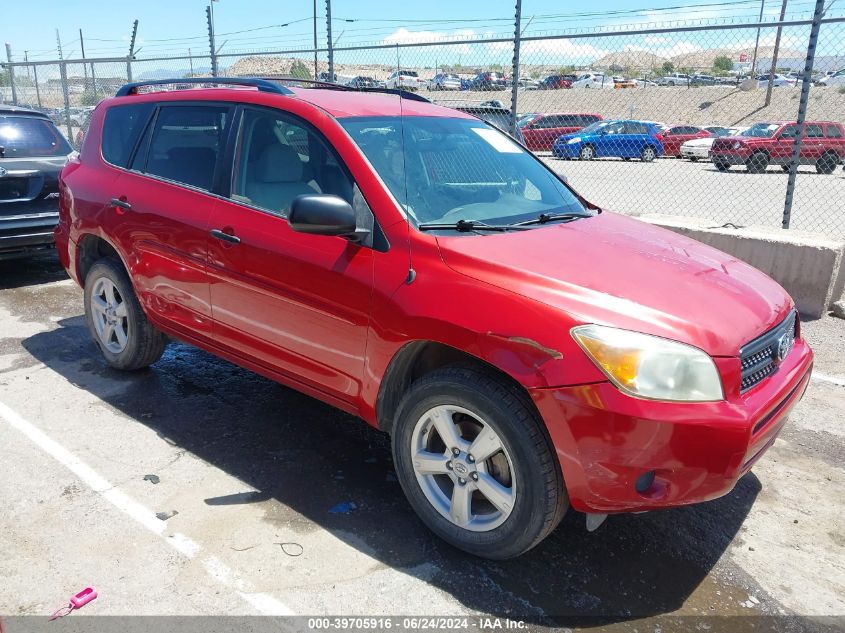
(552, 217)
(466, 226)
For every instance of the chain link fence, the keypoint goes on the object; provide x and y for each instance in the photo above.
(689, 120)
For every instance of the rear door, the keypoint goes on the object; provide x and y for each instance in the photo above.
(164, 204)
(296, 303)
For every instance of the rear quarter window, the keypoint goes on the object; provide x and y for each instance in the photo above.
(122, 128)
(833, 131)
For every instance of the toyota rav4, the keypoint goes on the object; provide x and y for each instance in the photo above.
(527, 351)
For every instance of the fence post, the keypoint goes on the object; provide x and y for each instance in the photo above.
(329, 38)
(211, 47)
(11, 74)
(802, 111)
(131, 52)
(66, 95)
(517, 33)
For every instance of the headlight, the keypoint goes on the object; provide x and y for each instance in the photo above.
(577, 139)
(651, 367)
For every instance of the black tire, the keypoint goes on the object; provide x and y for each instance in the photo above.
(827, 163)
(587, 152)
(757, 163)
(785, 168)
(540, 500)
(648, 154)
(144, 343)
(722, 166)
(693, 159)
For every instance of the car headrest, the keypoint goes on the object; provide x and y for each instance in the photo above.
(279, 163)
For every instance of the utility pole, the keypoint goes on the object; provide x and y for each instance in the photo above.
(329, 38)
(802, 110)
(59, 43)
(775, 55)
(517, 35)
(315, 39)
(209, 15)
(757, 42)
(84, 66)
(131, 51)
(191, 61)
(11, 73)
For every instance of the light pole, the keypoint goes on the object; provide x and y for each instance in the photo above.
(757, 42)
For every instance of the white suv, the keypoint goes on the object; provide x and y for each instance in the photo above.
(404, 79)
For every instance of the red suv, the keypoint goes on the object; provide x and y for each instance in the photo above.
(542, 130)
(414, 266)
(764, 144)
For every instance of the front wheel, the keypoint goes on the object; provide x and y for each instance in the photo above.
(116, 321)
(587, 152)
(757, 163)
(722, 166)
(475, 463)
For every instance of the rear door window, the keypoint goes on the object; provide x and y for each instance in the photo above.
(814, 131)
(24, 136)
(122, 128)
(186, 143)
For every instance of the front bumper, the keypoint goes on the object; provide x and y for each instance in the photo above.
(730, 158)
(606, 441)
(566, 150)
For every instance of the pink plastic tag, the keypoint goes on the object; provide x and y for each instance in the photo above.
(83, 597)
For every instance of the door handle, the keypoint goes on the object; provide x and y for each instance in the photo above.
(122, 204)
(226, 237)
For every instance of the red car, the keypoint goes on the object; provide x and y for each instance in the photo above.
(764, 144)
(541, 130)
(411, 265)
(676, 135)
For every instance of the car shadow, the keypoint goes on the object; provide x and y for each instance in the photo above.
(29, 271)
(310, 457)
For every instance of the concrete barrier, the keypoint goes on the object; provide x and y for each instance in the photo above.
(809, 266)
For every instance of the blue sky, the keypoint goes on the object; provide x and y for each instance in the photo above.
(172, 27)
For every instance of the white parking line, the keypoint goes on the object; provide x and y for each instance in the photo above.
(216, 569)
(833, 380)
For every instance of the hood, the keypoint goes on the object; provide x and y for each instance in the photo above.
(618, 271)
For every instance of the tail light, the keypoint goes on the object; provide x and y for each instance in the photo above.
(659, 137)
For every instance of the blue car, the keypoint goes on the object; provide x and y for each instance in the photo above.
(619, 139)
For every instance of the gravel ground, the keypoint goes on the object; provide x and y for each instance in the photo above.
(253, 469)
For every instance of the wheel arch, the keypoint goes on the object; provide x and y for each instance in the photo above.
(90, 248)
(418, 358)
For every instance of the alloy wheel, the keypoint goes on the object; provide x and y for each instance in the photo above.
(110, 316)
(463, 468)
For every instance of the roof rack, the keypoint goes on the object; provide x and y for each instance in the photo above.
(405, 94)
(261, 84)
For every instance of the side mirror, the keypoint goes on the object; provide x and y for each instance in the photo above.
(322, 214)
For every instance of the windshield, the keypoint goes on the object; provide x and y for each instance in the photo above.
(29, 136)
(459, 169)
(762, 130)
(593, 127)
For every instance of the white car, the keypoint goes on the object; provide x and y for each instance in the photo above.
(699, 148)
(779, 81)
(836, 80)
(593, 80)
(405, 80)
(675, 79)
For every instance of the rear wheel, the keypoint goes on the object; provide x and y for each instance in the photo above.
(475, 463)
(648, 154)
(116, 321)
(693, 159)
(587, 152)
(827, 163)
(757, 163)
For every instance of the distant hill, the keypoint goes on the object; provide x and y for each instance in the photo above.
(171, 73)
(634, 60)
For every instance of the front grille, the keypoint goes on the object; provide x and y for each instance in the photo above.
(760, 358)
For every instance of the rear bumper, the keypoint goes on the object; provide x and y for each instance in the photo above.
(25, 232)
(695, 152)
(607, 441)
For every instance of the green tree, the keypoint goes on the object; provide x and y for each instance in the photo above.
(4, 78)
(723, 63)
(89, 98)
(299, 70)
(668, 68)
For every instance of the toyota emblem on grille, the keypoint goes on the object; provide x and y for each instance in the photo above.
(785, 345)
(3, 172)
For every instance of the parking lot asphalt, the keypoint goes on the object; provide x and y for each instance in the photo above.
(680, 187)
(253, 471)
